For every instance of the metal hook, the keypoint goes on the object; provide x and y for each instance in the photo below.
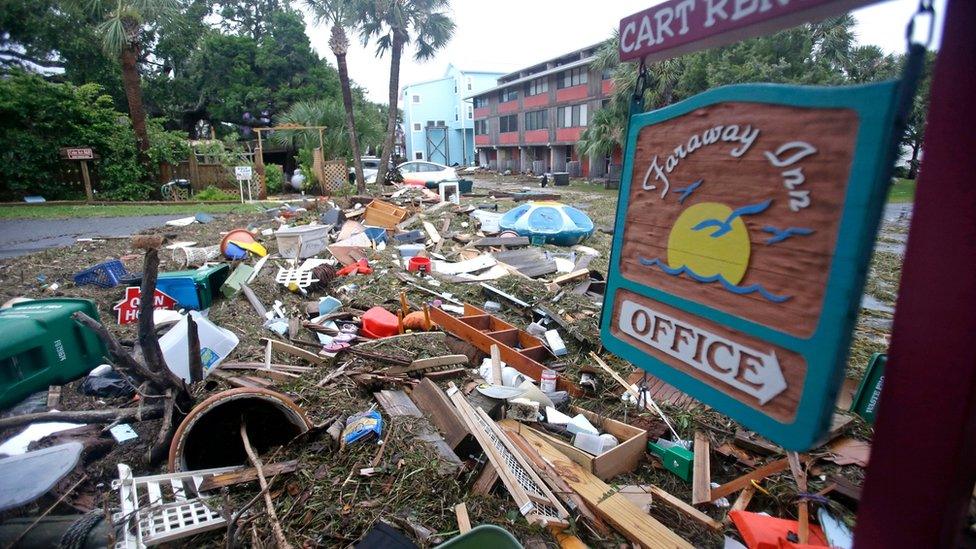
(925, 7)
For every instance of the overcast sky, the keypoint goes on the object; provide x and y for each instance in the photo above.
(506, 35)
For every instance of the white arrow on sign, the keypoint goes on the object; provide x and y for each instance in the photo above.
(751, 371)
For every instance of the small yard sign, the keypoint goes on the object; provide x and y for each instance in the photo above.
(242, 173)
(748, 215)
(128, 308)
(78, 153)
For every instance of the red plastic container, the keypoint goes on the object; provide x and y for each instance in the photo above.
(378, 322)
(418, 263)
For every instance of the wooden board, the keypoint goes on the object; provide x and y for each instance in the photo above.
(687, 510)
(502, 241)
(701, 476)
(432, 400)
(737, 484)
(627, 518)
(290, 349)
(397, 403)
(464, 523)
(246, 474)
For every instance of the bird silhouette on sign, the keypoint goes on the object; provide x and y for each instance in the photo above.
(780, 235)
(726, 225)
(686, 192)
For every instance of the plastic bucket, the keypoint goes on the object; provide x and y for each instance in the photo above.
(240, 235)
(216, 344)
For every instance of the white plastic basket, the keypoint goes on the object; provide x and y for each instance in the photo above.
(302, 241)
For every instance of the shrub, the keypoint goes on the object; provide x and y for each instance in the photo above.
(274, 177)
(213, 193)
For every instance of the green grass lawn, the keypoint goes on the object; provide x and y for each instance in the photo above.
(903, 190)
(120, 210)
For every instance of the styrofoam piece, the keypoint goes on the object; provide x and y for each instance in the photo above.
(563, 265)
(555, 416)
(533, 393)
(590, 444)
(18, 443)
(257, 269)
(556, 345)
(478, 263)
(216, 344)
(123, 432)
(579, 424)
(181, 222)
(161, 508)
(314, 262)
(586, 250)
(499, 392)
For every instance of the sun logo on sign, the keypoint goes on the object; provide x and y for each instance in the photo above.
(710, 243)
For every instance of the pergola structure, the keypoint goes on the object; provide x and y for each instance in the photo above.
(259, 161)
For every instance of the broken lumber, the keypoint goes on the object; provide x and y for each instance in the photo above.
(432, 401)
(569, 277)
(290, 349)
(701, 473)
(687, 510)
(154, 411)
(432, 233)
(737, 484)
(461, 512)
(486, 480)
(397, 403)
(626, 517)
(246, 474)
(502, 241)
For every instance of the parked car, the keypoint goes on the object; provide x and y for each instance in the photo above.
(371, 166)
(419, 172)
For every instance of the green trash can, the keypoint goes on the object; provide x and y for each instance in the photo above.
(41, 345)
(195, 289)
(486, 536)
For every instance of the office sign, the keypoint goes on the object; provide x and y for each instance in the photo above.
(681, 26)
(748, 215)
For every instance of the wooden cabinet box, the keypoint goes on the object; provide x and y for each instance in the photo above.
(622, 458)
(384, 214)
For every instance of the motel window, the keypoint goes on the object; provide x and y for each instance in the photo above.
(481, 127)
(535, 120)
(419, 155)
(468, 81)
(572, 77)
(571, 117)
(415, 98)
(470, 112)
(537, 86)
(508, 123)
(481, 101)
(457, 115)
(509, 94)
(455, 85)
(606, 74)
(416, 126)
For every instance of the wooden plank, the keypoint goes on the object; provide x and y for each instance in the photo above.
(461, 512)
(687, 510)
(543, 469)
(432, 400)
(486, 480)
(496, 365)
(397, 403)
(737, 484)
(752, 442)
(626, 517)
(569, 277)
(432, 233)
(246, 474)
(502, 241)
(53, 396)
(701, 475)
(290, 349)
(745, 496)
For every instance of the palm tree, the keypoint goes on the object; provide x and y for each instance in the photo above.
(394, 24)
(121, 33)
(340, 14)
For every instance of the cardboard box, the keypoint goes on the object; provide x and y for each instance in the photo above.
(622, 458)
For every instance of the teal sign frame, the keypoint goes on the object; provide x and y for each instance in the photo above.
(825, 349)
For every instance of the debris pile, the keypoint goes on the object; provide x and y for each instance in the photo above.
(385, 370)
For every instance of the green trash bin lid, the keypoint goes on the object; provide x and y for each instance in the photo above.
(485, 536)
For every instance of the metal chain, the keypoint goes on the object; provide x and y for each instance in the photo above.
(925, 8)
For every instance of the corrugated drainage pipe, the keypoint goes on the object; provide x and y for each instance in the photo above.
(210, 434)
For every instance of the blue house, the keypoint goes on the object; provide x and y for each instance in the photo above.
(438, 122)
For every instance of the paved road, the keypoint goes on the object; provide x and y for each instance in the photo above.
(24, 236)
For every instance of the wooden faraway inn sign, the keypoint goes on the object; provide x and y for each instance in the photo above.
(746, 220)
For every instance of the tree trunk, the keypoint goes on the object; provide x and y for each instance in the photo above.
(913, 163)
(133, 94)
(391, 118)
(340, 54)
